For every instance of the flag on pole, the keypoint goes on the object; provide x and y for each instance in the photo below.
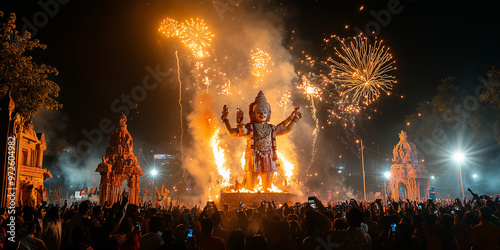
(58, 192)
(84, 191)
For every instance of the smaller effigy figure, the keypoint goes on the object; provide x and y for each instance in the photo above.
(261, 156)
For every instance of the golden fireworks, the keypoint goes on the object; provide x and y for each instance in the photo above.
(363, 74)
(194, 34)
(169, 27)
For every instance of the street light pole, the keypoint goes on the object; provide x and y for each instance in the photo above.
(461, 181)
(363, 166)
(459, 157)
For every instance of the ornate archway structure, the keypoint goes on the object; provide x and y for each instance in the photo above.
(119, 164)
(409, 177)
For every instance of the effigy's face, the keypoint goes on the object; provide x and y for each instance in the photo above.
(260, 112)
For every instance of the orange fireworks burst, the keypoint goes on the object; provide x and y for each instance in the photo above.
(170, 28)
(196, 36)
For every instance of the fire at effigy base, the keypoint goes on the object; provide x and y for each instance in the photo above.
(254, 200)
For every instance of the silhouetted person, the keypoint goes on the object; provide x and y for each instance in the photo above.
(207, 240)
(485, 235)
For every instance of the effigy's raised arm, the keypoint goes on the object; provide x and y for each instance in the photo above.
(240, 130)
(287, 125)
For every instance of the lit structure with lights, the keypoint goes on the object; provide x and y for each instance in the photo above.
(459, 157)
(409, 177)
(119, 164)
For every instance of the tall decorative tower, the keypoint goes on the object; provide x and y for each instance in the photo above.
(409, 177)
(21, 157)
(119, 164)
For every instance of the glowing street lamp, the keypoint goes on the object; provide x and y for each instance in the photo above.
(460, 157)
(154, 172)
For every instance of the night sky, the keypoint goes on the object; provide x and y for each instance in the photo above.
(102, 49)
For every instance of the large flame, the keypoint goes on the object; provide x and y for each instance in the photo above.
(288, 167)
(220, 160)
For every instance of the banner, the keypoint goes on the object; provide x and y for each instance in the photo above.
(160, 156)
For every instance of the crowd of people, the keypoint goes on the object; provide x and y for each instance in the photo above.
(462, 224)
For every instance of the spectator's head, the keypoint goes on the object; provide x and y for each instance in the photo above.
(126, 226)
(167, 236)
(216, 219)
(491, 205)
(169, 221)
(236, 240)
(340, 224)
(52, 214)
(484, 213)
(180, 233)
(459, 215)
(292, 217)
(354, 217)
(155, 224)
(404, 230)
(257, 242)
(367, 214)
(470, 218)
(447, 221)
(207, 226)
(96, 211)
(84, 208)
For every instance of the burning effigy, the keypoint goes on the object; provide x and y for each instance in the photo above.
(261, 157)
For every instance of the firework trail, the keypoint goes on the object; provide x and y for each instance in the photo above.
(180, 103)
(363, 72)
(312, 92)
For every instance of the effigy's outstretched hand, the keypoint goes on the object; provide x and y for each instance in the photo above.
(225, 112)
(296, 115)
(239, 116)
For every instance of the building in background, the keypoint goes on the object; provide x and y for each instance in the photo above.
(21, 158)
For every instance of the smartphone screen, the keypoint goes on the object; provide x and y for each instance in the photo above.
(312, 202)
(419, 206)
(393, 227)
(190, 233)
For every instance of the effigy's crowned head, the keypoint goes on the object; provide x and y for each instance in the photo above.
(260, 110)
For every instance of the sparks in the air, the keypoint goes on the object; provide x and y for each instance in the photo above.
(309, 89)
(312, 92)
(260, 65)
(170, 27)
(194, 34)
(363, 69)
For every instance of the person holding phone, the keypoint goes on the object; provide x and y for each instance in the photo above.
(153, 239)
(206, 240)
(354, 237)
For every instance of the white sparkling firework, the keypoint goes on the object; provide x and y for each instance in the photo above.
(363, 70)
